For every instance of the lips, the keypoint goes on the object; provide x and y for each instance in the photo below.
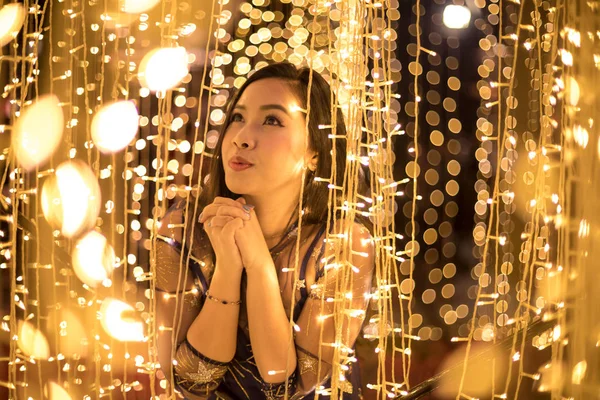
(239, 164)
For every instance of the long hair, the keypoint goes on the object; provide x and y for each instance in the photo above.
(316, 194)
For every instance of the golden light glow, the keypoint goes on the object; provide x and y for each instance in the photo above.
(32, 342)
(93, 259)
(163, 68)
(119, 326)
(72, 335)
(12, 17)
(579, 371)
(456, 17)
(574, 92)
(57, 392)
(71, 198)
(114, 126)
(38, 132)
(138, 6)
(522, 161)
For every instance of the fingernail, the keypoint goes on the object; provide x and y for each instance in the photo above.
(247, 207)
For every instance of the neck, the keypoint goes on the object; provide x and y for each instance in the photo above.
(273, 213)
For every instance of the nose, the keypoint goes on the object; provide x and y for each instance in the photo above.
(244, 138)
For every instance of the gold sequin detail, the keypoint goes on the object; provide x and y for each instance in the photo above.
(195, 374)
(307, 363)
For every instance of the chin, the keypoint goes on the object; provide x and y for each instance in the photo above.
(239, 187)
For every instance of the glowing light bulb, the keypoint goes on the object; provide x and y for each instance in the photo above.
(115, 126)
(93, 259)
(12, 17)
(71, 198)
(32, 342)
(121, 327)
(456, 17)
(162, 69)
(38, 132)
(138, 6)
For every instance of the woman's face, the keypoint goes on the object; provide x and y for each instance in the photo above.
(268, 136)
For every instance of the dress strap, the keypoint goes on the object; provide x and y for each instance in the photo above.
(194, 262)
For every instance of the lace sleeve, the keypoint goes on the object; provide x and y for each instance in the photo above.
(316, 337)
(195, 376)
(195, 373)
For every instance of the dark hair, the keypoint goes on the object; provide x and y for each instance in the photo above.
(316, 194)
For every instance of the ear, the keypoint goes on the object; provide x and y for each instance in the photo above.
(311, 160)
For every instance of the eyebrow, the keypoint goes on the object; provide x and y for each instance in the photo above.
(267, 107)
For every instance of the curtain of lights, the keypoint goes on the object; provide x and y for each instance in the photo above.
(112, 109)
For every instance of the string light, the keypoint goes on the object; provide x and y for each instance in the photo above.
(94, 63)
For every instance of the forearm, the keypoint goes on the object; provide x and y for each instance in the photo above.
(213, 332)
(272, 343)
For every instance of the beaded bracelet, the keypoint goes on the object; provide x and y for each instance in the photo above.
(232, 303)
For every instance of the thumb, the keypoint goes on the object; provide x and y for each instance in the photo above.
(241, 200)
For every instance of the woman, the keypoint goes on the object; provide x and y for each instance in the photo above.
(235, 339)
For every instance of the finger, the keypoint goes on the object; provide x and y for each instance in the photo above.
(232, 226)
(209, 211)
(217, 222)
(241, 200)
(212, 210)
(226, 201)
(236, 203)
(234, 212)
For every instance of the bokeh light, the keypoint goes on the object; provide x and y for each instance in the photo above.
(118, 320)
(93, 259)
(12, 17)
(32, 341)
(38, 132)
(71, 198)
(163, 68)
(114, 126)
(456, 16)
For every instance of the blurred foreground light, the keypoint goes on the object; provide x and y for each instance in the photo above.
(66, 329)
(71, 198)
(12, 17)
(38, 132)
(56, 392)
(138, 6)
(93, 259)
(574, 92)
(32, 342)
(579, 372)
(551, 377)
(478, 377)
(456, 17)
(115, 126)
(162, 69)
(117, 319)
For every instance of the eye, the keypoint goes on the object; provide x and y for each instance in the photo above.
(234, 117)
(273, 118)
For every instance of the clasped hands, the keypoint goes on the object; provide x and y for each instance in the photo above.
(235, 234)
